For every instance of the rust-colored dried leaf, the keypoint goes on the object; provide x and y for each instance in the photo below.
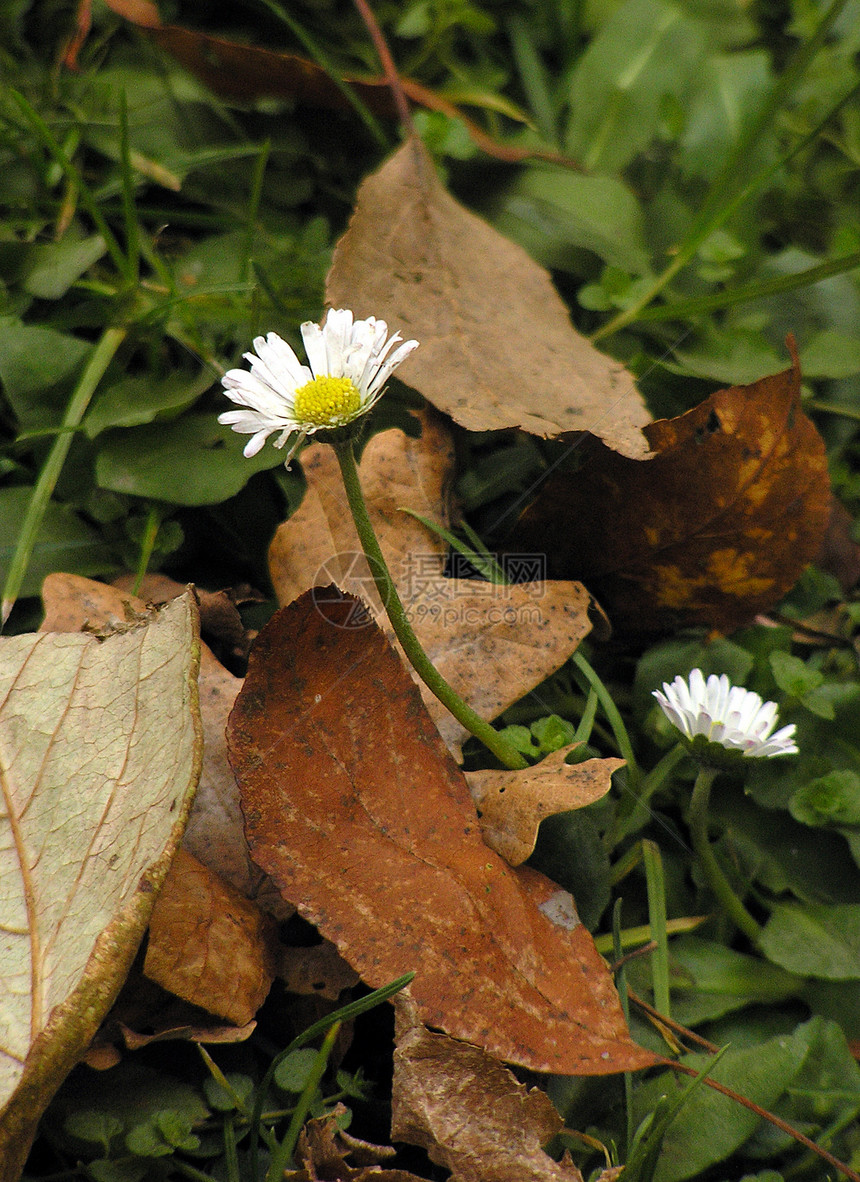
(497, 346)
(511, 805)
(469, 1112)
(711, 531)
(493, 644)
(358, 813)
(210, 945)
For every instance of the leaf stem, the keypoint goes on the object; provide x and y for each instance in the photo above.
(409, 642)
(99, 359)
(719, 884)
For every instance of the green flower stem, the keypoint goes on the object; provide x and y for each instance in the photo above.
(393, 604)
(717, 881)
(100, 358)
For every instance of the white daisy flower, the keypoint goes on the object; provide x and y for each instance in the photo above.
(717, 714)
(350, 362)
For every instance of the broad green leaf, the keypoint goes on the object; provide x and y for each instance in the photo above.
(65, 541)
(709, 980)
(646, 51)
(134, 401)
(826, 1089)
(818, 941)
(293, 1072)
(34, 361)
(100, 754)
(52, 267)
(832, 799)
(553, 213)
(712, 1126)
(783, 855)
(831, 354)
(192, 461)
(732, 86)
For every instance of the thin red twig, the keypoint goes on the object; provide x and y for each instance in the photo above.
(389, 69)
(794, 1133)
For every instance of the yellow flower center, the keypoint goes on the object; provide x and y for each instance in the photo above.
(327, 402)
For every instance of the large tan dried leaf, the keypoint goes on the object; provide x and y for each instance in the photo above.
(511, 805)
(99, 756)
(468, 1111)
(354, 807)
(714, 529)
(492, 644)
(210, 945)
(215, 834)
(497, 346)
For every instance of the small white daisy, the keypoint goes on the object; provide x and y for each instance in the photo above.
(714, 712)
(350, 362)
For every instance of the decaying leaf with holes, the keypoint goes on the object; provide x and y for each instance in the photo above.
(712, 530)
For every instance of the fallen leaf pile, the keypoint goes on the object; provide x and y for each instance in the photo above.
(492, 643)
(355, 809)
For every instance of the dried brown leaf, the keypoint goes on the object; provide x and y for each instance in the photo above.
(469, 1112)
(319, 971)
(100, 749)
(497, 346)
(318, 545)
(711, 531)
(210, 945)
(356, 810)
(215, 833)
(325, 1152)
(493, 644)
(511, 805)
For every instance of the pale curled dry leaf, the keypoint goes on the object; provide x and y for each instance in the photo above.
(359, 814)
(497, 348)
(100, 743)
(492, 644)
(215, 833)
(511, 805)
(467, 1110)
(209, 945)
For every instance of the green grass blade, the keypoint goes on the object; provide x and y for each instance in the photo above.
(723, 199)
(760, 289)
(132, 226)
(345, 1014)
(283, 1155)
(99, 359)
(656, 883)
(45, 134)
